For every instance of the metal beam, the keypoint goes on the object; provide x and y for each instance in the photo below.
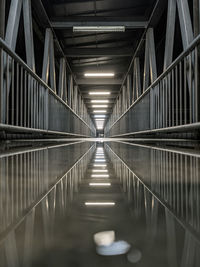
(65, 2)
(96, 52)
(98, 81)
(49, 60)
(185, 22)
(169, 43)
(98, 21)
(28, 29)
(13, 23)
(2, 18)
(62, 73)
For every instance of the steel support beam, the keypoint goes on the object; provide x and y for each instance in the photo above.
(28, 29)
(2, 33)
(150, 68)
(98, 21)
(70, 89)
(2, 18)
(137, 90)
(49, 60)
(62, 79)
(185, 22)
(196, 17)
(169, 43)
(196, 23)
(99, 52)
(13, 23)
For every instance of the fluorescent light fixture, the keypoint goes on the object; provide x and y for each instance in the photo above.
(100, 165)
(100, 160)
(99, 106)
(99, 74)
(98, 28)
(99, 93)
(99, 203)
(100, 175)
(99, 116)
(100, 184)
(99, 170)
(100, 111)
(100, 101)
(100, 120)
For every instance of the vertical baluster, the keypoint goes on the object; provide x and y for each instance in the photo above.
(12, 91)
(7, 87)
(185, 91)
(181, 94)
(25, 98)
(172, 99)
(176, 93)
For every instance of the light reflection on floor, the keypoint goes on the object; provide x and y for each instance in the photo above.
(50, 211)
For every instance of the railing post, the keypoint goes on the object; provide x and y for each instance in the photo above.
(196, 23)
(2, 32)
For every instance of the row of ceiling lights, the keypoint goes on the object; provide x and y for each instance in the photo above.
(99, 119)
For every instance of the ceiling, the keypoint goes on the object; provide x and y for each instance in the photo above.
(99, 51)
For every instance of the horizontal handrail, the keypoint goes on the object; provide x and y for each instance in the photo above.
(183, 55)
(37, 78)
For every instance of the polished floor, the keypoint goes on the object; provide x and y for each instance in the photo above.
(56, 197)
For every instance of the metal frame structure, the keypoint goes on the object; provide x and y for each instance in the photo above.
(168, 102)
(32, 104)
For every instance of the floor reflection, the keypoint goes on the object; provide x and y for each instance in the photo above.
(54, 201)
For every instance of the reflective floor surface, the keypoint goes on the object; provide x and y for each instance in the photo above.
(142, 201)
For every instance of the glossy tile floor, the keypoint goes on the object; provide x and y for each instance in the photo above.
(54, 199)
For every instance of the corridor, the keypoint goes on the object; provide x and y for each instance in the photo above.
(99, 133)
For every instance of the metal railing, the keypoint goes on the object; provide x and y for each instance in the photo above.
(27, 102)
(171, 101)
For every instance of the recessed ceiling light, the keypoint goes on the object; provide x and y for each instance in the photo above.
(103, 120)
(99, 101)
(100, 165)
(99, 203)
(100, 160)
(96, 170)
(99, 116)
(100, 184)
(99, 93)
(99, 74)
(100, 111)
(99, 106)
